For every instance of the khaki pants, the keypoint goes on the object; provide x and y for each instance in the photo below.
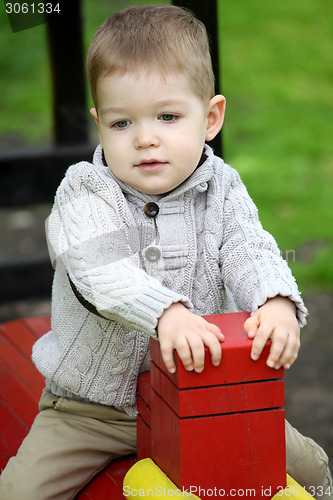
(71, 441)
(68, 444)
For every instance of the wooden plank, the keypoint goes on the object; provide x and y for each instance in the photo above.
(20, 336)
(21, 368)
(230, 451)
(217, 399)
(143, 439)
(236, 365)
(109, 483)
(13, 431)
(21, 384)
(38, 325)
(22, 401)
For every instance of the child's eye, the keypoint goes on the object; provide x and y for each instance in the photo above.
(120, 124)
(169, 117)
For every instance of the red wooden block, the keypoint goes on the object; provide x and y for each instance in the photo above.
(144, 411)
(233, 452)
(236, 365)
(143, 439)
(211, 429)
(144, 416)
(144, 388)
(219, 399)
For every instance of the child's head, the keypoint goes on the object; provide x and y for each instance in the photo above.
(161, 38)
(153, 87)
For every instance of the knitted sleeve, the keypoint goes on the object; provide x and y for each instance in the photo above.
(91, 232)
(252, 266)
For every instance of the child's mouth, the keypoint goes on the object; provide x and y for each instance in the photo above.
(151, 165)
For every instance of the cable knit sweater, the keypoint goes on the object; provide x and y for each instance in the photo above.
(130, 255)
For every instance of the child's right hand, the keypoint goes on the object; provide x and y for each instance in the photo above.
(180, 329)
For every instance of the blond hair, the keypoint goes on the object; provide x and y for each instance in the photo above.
(161, 38)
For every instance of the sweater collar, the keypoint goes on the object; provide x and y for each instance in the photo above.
(197, 180)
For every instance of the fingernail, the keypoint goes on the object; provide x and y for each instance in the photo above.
(172, 370)
(271, 364)
(254, 357)
(277, 367)
(198, 370)
(287, 366)
(189, 368)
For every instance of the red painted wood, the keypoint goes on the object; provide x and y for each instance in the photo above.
(38, 325)
(235, 451)
(217, 399)
(20, 389)
(144, 388)
(243, 445)
(224, 427)
(13, 431)
(143, 410)
(144, 449)
(20, 383)
(144, 416)
(20, 336)
(108, 484)
(236, 365)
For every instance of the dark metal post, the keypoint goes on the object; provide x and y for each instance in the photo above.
(206, 11)
(68, 79)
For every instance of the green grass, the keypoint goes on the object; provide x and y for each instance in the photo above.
(277, 76)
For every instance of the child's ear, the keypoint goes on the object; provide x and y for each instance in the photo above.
(215, 117)
(95, 115)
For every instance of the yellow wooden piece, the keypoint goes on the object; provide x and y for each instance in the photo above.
(144, 479)
(292, 490)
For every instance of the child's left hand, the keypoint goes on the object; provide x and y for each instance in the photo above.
(276, 320)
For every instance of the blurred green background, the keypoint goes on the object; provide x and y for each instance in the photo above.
(277, 75)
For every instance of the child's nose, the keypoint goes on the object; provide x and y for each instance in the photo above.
(145, 136)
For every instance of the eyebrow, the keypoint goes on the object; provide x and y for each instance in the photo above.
(112, 109)
(162, 103)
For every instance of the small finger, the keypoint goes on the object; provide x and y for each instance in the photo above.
(167, 356)
(216, 331)
(277, 352)
(290, 353)
(259, 342)
(215, 350)
(251, 326)
(185, 354)
(198, 353)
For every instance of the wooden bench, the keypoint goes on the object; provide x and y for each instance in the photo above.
(21, 386)
(181, 416)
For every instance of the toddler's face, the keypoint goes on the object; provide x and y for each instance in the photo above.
(152, 129)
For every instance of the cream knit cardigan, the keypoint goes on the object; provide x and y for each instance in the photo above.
(205, 240)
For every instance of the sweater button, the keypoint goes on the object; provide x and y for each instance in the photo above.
(153, 254)
(151, 209)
